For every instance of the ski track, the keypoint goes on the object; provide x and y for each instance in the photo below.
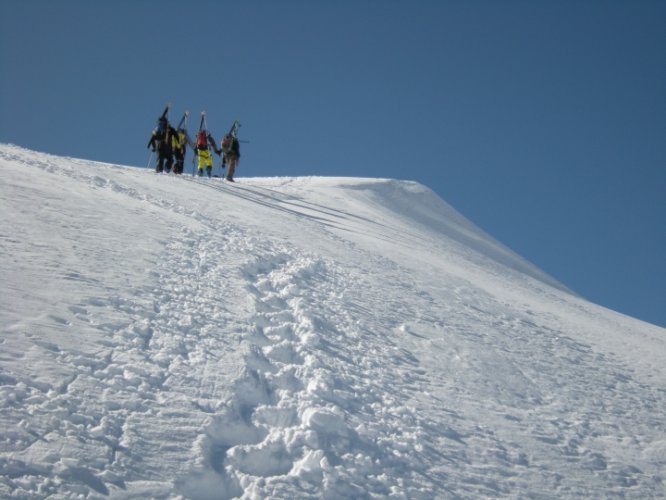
(333, 390)
(289, 427)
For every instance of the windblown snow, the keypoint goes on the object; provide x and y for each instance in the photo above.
(177, 337)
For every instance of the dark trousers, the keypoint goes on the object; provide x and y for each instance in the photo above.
(180, 160)
(164, 158)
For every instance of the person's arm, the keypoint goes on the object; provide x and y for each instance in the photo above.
(211, 141)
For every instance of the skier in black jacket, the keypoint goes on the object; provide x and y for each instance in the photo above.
(160, 141)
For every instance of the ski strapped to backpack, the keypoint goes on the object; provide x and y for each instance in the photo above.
(182, 129)
(164, 119)
(202, 135)
(183, 121)
(165, 114)
(233, 131)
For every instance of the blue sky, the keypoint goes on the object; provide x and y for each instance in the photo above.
(542, 122)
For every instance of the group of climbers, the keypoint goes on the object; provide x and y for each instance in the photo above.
(170, 143)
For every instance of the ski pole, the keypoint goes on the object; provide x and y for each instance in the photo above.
(150, 159)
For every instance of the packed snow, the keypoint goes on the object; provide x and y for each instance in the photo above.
(182, 337)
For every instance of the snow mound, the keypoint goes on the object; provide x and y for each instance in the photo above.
(176, 337)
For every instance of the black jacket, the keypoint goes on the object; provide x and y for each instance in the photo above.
(161, 139)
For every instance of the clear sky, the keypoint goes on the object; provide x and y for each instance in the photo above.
(544, 122)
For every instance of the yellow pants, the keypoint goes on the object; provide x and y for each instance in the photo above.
(205, 159)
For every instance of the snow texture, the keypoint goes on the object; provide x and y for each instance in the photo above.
(177, 337)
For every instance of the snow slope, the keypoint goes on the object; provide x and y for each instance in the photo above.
(170, 337)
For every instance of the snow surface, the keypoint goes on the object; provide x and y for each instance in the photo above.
(174, 337)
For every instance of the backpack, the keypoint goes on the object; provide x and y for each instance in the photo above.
(178, 140)
(202, 140)
(227, 144)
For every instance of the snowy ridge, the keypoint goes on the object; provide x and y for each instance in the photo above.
(300, 338)
(416, 204)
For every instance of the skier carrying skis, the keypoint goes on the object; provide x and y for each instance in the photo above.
(231, 150)
(204, 140)
(178, 142)
(160, 141)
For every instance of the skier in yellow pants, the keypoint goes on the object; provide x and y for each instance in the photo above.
(204, 142)
(206, 160)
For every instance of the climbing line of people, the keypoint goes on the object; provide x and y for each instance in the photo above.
(170, 144)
